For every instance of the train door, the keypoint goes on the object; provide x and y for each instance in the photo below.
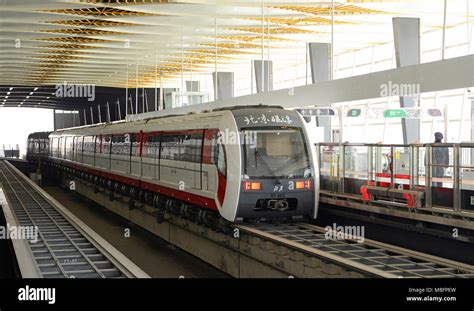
(106, 151)
(190, 153)
(150, 154)
(221, 164)
(97, 150)
(120, 153)
(197, 140)
(78, 143)
(208, 161)
(60, 149)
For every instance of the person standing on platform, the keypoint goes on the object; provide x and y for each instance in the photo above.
(440, 159)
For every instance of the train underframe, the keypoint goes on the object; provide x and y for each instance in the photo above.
(137, 197)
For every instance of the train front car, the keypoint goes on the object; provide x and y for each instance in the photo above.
(273, 156)
(37, 147)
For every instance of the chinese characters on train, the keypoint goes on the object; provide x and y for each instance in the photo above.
(264, 119)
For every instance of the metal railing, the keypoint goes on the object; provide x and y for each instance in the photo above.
(444, 172)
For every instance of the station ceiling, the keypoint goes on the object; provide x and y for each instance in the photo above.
(47, 42)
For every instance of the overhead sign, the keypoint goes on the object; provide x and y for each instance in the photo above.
(354, 112)
(394, 113)
(407, 113)
(317, 112)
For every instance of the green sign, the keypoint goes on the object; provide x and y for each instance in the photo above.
(354, 113)
(472, 199)
(394, 113)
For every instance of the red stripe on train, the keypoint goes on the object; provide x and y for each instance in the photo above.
(181, 195)
(170, 192)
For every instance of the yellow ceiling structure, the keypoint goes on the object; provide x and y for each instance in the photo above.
(99, 41)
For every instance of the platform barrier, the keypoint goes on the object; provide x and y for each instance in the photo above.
(416, 176)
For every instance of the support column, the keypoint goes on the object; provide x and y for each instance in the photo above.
(266, 77)
(82, 117)
(225, 84)
(406, 32)
(320, 59)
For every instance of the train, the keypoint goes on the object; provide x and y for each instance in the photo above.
(236, 164)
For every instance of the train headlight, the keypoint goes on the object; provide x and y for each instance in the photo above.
(252, 185)
(303, 184)
(300, 184)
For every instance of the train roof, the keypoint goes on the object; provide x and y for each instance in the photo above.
(137, 125)
(39, 135)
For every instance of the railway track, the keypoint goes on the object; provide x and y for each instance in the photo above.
(370, 258)
(64, 247)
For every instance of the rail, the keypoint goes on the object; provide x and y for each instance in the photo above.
(59, 245)
(371, 258)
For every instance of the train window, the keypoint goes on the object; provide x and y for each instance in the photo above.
(97, 144)
(106, 143)
(61, 147)
(272, 153)
(121, 144)
(54, 147)
(190, 151)
(170, 145)
(88, 144)
(52, 150)
(135, 139)
(215, 148)
(152, 145)
(44, 146)
(78, 144)
(221, 161)
(58, 147)
(181, 147)
(69, 147)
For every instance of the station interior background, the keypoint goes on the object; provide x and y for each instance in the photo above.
(363, 43)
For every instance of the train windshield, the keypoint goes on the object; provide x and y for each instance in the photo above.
(275, 153)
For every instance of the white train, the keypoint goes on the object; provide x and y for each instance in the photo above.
(240, 163)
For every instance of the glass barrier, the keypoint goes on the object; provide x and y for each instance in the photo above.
(445, 172)
(329, 168)
(442, 166)
(466, 184)
(355, 169)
